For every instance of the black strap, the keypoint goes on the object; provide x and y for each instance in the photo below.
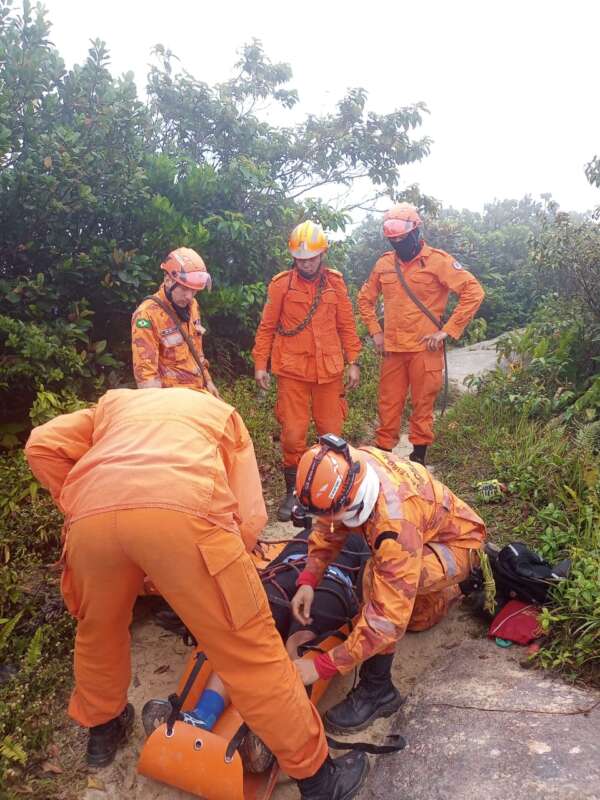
(382, 537)
(235, 742)
(279, 601)
(438, 324)
(313, 644)
(396, 743)
(176, 700)
(171, 314)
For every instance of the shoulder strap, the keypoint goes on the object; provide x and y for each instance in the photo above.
(421, 306)
(438, 324)
(173, 317)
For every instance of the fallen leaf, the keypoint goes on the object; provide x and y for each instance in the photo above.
(47, 162)
(95, 783)
(52, 751)
(161, 669)
(48, 766)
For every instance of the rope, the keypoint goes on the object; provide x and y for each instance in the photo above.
(489, 584)
(584, 711)
(311, 311)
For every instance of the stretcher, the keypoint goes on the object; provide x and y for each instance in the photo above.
(208, 764)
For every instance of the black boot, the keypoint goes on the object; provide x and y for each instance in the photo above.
(374, 697)
(337, 779)
(418, 453)
(104, 740)
(284, 512)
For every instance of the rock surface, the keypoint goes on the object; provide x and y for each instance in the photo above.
(461, 754)
(476, 359)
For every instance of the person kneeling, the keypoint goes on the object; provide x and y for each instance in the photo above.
(423, 540)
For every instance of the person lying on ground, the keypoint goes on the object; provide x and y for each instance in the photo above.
(336, 602)
(165, 484)
(424, 542)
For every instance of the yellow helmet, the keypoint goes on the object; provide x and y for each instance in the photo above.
(307, 240)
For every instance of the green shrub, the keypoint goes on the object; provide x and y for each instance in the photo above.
(36, 633)
(523, 427)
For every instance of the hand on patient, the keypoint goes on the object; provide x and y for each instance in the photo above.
(302, 603)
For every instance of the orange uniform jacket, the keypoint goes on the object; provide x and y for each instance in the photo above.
(432, 275)
(419, 510)
(315, 354)
(181, 450)
(159, 350)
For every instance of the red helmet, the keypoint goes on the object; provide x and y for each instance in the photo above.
(187, 268)
(329, 476)
(400, 220)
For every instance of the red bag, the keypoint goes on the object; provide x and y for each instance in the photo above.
(516, 622)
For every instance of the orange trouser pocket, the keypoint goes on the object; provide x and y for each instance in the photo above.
(235, 576)
(433, 368)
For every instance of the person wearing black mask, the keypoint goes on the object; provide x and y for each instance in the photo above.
(415, 281)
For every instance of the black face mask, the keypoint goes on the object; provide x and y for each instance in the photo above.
(183, 312)
(409, 247)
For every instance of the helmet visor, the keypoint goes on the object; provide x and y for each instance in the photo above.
(192, 280)
(396, 228)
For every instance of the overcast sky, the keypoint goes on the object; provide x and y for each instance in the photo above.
(512, 86)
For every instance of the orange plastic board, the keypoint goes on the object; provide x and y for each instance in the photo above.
(193, 760)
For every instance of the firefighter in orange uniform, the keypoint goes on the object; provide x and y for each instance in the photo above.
(412, 343)
(165, 484)
(161, 355)
(307, 330)
(424, 542)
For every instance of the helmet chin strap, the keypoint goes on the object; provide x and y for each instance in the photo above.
(183, 312)
(364, 502)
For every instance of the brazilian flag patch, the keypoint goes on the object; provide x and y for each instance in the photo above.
(143, 323)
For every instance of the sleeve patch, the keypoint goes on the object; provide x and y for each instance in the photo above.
(143, 323)
(457, 265)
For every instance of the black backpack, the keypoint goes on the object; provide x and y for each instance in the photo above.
(520, 572)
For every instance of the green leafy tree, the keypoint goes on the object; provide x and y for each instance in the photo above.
(96, 186)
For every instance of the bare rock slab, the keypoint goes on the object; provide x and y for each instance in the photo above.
(465, 754)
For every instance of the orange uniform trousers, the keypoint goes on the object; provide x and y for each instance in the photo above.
(443, 567)
(422, 373)
(207, 577)
(297, 401)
